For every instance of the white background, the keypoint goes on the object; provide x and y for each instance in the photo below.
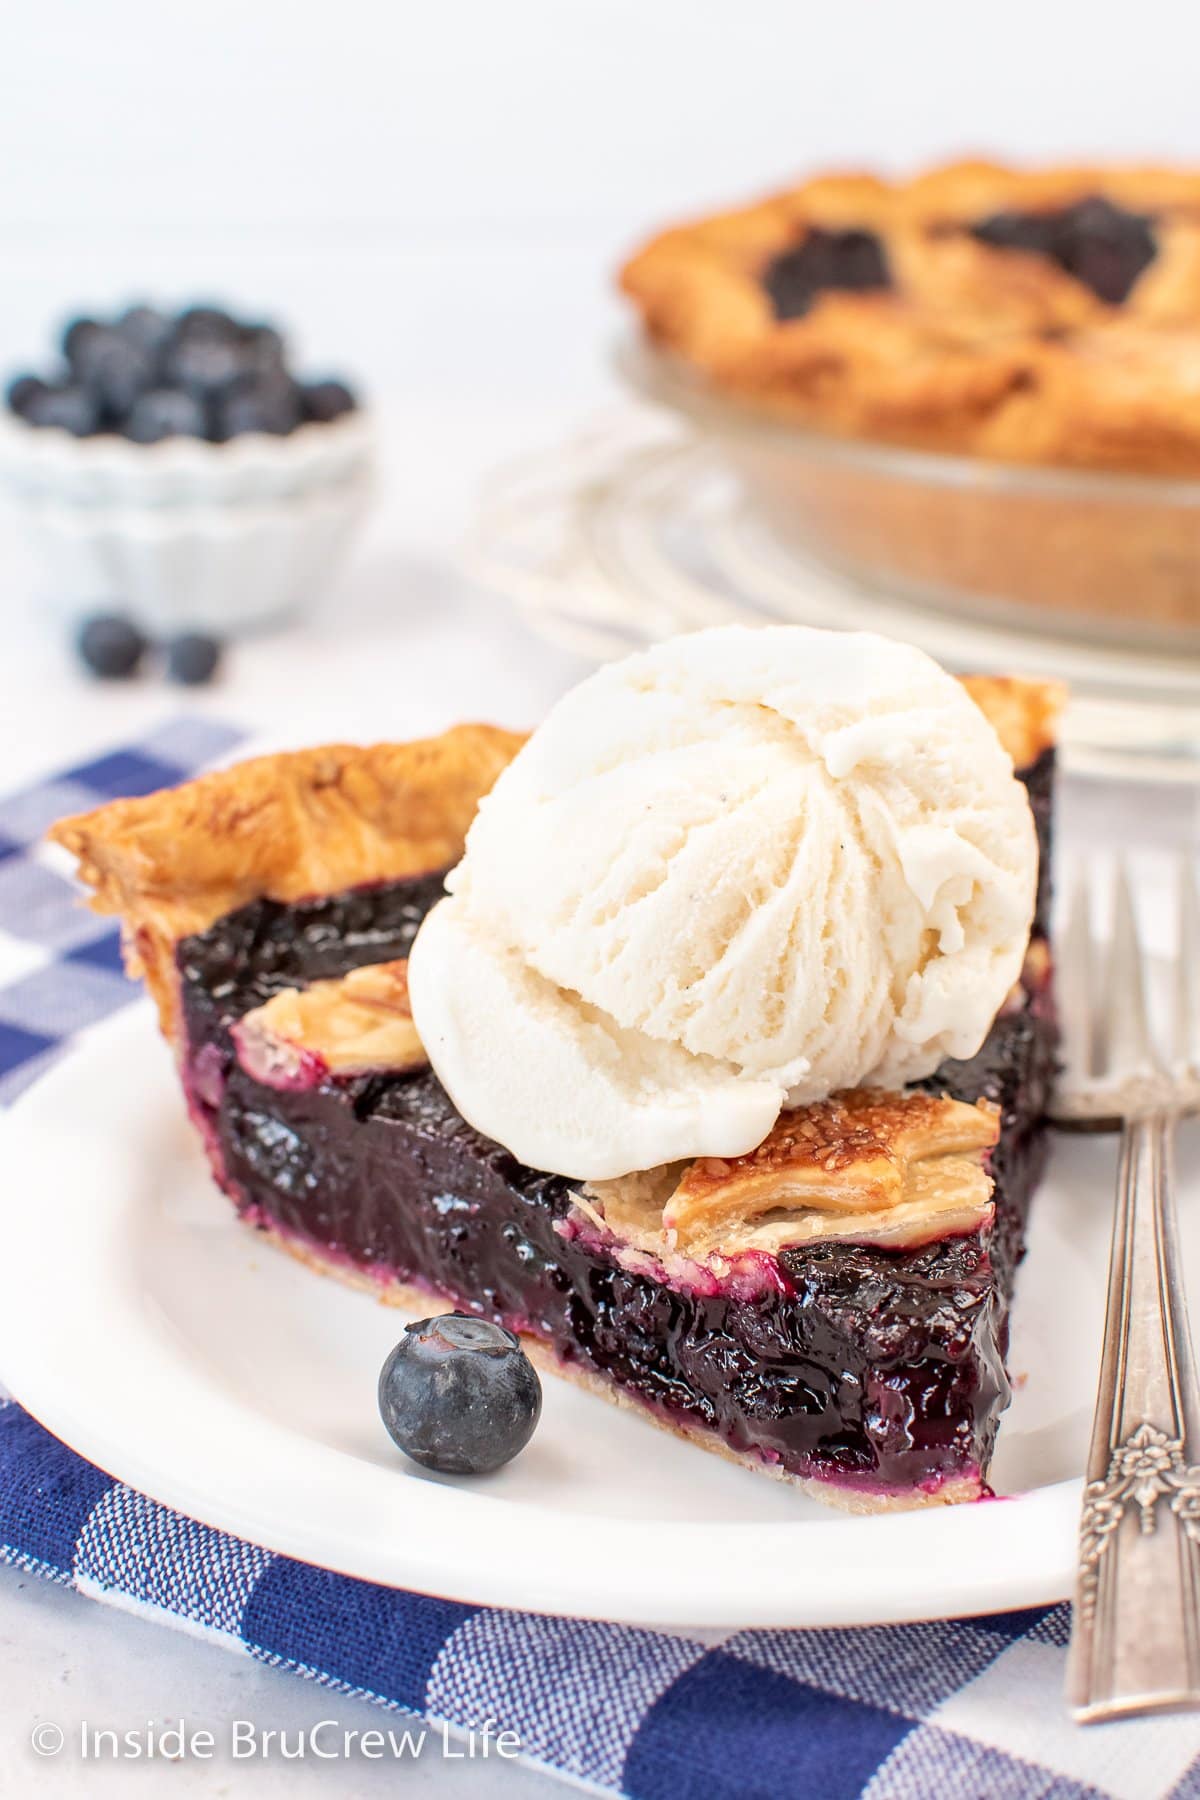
(433, 196)
(435, 193)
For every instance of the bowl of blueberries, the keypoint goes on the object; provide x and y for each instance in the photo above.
(173, 470)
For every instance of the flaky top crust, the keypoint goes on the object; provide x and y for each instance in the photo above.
(974, 348)
(1023, 713)
(864, 1166)
(291, 826)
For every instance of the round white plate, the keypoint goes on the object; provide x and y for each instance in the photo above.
(154, 1334)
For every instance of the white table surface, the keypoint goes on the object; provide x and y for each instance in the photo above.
(403, 646)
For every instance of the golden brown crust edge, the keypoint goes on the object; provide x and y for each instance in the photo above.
(974, 349)
(291, 826)
(1024, 713)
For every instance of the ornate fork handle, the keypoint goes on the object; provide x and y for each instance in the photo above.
(1136, 1642)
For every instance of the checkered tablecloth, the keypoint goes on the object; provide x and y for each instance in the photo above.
(956, 1710)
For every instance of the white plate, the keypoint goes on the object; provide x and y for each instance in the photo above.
(158, 1337)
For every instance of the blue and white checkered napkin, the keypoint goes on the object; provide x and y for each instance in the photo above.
(958, 1708)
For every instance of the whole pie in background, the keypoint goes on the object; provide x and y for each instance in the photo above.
(1043, 316)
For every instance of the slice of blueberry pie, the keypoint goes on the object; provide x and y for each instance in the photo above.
(1037, 316)
(702, 1038)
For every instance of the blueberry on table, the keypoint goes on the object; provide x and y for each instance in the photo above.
(163, 413)
(111, 646)
(67, 407)
(325, 401)
(193, 658)
(459, 1395)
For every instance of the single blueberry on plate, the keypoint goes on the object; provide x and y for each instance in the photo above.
(193, 658)
(111, 646)
(459, 1395)
(325, 401)
(165, 412)
(21, 390)
(65, 408)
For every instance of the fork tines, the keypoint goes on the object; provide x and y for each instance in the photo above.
(1111, 1065)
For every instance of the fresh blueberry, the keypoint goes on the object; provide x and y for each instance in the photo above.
(205, 365)
(206, 321)
(146, 327)
(325, 401)
(263, 350)
(193, 658)
(459, 1395)
(77, 335)
(111, 646)
(67, 408)
(22, 391)
(163, 413)
(110, 366)
(113, 369)
(150, 376)
(267, 403)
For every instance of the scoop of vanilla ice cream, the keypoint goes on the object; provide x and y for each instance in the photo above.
(735, 872)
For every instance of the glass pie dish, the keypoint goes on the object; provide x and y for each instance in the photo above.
(1095, 555)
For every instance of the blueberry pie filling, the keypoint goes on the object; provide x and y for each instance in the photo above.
(1102, 245)
(864, 1361)
(852, 261)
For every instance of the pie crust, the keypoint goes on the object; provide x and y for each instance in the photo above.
(361, 1023)
(864, 1158)
(974, 347)
(291, 826)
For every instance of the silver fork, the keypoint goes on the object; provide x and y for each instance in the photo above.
(1135, 1636)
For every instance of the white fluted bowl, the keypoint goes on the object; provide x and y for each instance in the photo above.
(49, 464)
(185, 534)
(223, 569)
